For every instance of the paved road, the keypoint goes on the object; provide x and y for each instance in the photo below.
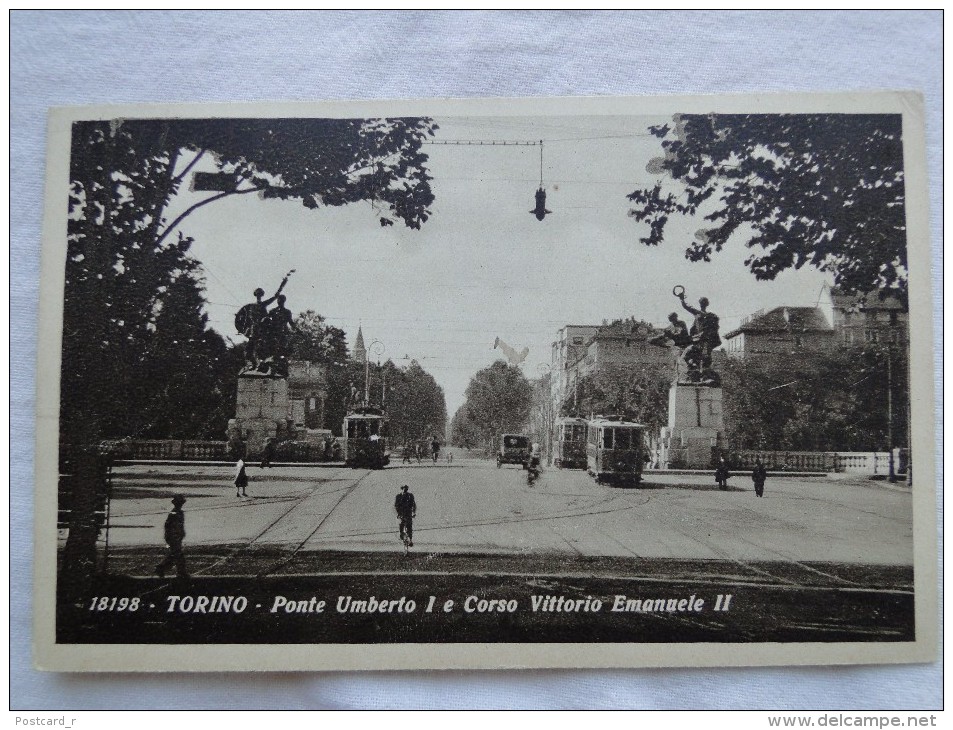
(817, 559)
(474, 507)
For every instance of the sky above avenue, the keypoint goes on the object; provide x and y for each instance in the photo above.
(483, 267)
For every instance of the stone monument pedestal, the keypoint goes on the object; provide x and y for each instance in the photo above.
(261, 412)
(696, 426)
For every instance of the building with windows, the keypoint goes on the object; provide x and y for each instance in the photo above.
(569, 346)
(873, 317)
(780, 332)
(843, 319)
(622, 343)
(307, 392)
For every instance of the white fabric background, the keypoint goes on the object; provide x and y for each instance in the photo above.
(60, 58)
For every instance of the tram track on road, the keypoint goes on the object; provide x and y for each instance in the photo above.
(288, 558)
(243, 548)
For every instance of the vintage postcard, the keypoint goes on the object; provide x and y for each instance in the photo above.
(608, 382)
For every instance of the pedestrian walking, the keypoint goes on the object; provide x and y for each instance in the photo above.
(759, 476)
(241, 479)
(268, 453)
(722, 474)
(406, 508)
(174, 537)
(435, 449)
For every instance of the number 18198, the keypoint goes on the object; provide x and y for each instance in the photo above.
(105, 603)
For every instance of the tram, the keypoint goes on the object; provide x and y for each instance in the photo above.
(366, 438)
(615, 450)
(569, 448)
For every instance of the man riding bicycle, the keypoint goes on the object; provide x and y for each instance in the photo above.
(406, 507)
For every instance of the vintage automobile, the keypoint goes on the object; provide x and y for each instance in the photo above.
(569, 448)
(615, 452)
(514, 448)
(366, 438)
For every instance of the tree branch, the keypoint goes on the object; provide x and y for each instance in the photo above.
(198, 205)
(178, 178)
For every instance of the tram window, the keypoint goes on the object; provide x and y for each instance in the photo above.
(622, 440)
(373, 427)
(607, 438)
(351, 431)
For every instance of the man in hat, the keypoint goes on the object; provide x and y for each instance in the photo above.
(174, 536)
(406, 507)
(759, 475)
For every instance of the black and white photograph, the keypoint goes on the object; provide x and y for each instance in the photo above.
(484, 384)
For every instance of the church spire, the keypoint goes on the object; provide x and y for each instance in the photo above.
(360, 352)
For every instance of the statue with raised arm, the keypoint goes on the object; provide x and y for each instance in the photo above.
(704, 337)
(250, 321)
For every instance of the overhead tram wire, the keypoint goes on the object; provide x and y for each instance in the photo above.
(482, 143)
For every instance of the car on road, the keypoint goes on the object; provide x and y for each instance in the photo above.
(514, 448)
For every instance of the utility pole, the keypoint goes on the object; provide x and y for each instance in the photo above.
(892, 476)
(367, 370)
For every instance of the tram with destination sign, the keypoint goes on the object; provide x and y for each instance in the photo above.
(615, 450)
(366, 438)
(569, 446)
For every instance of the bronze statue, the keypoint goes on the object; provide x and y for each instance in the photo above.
(266, 332)
(705, 338)
(675, 334)
(696, 343)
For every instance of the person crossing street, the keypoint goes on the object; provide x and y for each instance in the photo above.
(174, 532)
(406, 508)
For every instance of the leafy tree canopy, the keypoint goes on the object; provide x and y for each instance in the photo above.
(832, 401)
(819, 189)
(638, 392)
(124, 255)
(498, 400)
(316, 341)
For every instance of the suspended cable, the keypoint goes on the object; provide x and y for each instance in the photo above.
(482, 142)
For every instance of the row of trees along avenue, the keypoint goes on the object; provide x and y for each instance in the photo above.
(498, 401)
(821, 190)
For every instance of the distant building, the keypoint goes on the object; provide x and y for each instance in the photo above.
(570, 345)
(582, 350)
(307, 392)
(780, 332)
(869, 318)
(622, 343)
